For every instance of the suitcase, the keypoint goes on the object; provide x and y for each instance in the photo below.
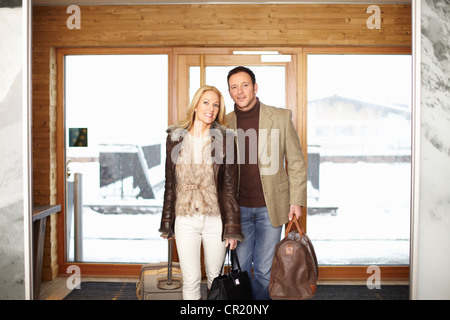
(157, 283)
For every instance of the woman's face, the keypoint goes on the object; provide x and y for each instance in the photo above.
(207, 108)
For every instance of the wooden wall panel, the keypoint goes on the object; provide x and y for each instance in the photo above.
(218, 25)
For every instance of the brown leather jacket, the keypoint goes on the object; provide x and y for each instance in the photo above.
(225, 176)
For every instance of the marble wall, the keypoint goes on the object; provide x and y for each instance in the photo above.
(12, 252)
(432, 262)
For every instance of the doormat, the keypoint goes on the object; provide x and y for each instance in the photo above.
(361, 292)
(127, 291)
(99, 290)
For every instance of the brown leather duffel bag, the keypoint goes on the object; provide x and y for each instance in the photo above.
(294, 267)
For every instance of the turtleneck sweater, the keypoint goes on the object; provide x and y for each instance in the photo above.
(250, 187)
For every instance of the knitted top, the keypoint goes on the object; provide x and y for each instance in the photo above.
(195, 186)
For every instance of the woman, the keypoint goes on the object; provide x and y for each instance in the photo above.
(201, 189)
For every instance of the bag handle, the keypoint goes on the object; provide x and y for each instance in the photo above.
(297, 225)
(234, 260)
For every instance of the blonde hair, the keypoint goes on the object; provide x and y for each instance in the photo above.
(188, 120)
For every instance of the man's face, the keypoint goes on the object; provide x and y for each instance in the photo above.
(242, 90)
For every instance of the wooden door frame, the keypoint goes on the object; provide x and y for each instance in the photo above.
(176, 76)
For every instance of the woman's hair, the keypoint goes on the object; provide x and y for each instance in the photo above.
(188, 120)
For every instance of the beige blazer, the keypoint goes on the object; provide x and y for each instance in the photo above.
(278, 141)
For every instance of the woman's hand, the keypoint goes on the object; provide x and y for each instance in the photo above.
(231, 242)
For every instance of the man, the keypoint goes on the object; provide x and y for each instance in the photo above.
(268, 196)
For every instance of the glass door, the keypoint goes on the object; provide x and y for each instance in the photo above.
(116, 114)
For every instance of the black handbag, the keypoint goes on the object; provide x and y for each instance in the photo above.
(234, 285)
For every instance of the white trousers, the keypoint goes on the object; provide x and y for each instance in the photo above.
(190, 232)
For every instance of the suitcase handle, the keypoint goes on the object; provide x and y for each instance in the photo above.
(297, 225)
(169, 264)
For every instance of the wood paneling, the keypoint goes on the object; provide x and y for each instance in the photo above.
(218, 25)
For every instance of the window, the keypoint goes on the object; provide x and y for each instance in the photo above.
(119, 104)
(359, 158)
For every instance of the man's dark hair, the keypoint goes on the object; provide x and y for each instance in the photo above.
(241, 69)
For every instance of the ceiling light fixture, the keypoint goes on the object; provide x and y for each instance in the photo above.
(255, 52)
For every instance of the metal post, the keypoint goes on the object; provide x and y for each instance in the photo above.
(78, 215)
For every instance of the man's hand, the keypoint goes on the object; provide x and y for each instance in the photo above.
(295, 209)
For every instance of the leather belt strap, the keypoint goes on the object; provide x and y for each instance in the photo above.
(192, 187)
